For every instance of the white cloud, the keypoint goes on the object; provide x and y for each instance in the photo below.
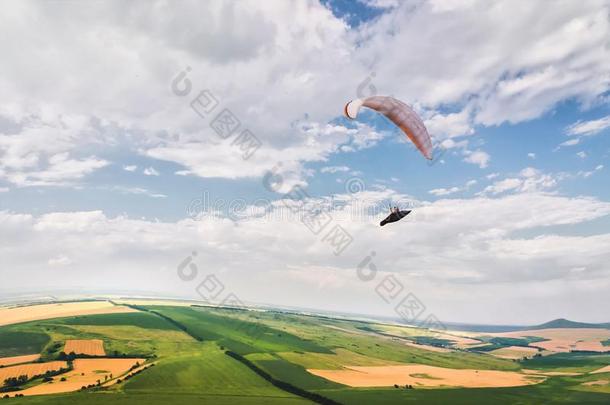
(529, 180)
(59, 261)
(444, 191)
(504, 185)
(383, 4)
(588, 128)
(531, 155)
(582, 129)
(150, 171)
(570, 142)
(586, 174)
(334, 169)
(477, 157)
(60, 170)
(581, 154)
(447, 191)
(4, 189)
(533, 180)
(138, 191)
(40, 151)
(506, 69)
(450, 125)
(130, 168)
(440, 239)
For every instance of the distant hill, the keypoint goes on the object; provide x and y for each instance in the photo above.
(556, 323)
(565, 323)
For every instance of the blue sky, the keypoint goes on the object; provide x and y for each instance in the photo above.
(101, 162)
(392, 162)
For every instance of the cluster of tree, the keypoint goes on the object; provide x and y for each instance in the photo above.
(16, 395)
(118, 381)
(97, 384)
(62, 356)
(54, 348)
(317, 398)
(407, 386)
(16, 381)
(584, 351)
(528, 358)
(128, 376)
(47, 376)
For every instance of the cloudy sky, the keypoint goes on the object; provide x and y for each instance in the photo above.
(133, 134)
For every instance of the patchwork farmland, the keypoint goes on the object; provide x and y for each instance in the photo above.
(152, 354)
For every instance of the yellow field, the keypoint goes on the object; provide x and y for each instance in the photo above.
(459, 339)
(30, 369)
(9, 361)
(425, 376)
(566, 339)
(174, 303)
(86, 372)
(605, 369)
(549, 373)
(514, 352)
(9, 316)
(597, 382)
(94, 347)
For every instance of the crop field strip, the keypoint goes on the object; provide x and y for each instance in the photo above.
(10, 316)
(9, 361)
(30, 369)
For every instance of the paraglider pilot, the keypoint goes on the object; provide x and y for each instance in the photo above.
(395, 216)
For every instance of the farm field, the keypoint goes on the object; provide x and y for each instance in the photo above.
(154, 354)
(17, 343)
(30, 369)
(21, 314)
(28, 358)
(86, 372)
(605, 369)
(514, 352)
(91, 347)
(566, 339)
(425, 376)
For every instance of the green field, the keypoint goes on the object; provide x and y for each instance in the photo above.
(205, 369)
(555, 391)
(17, 343)
(139, 319)
(188, 344)
(569, 362)
(495, 343)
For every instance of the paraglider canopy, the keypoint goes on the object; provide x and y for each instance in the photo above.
(400, 114)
